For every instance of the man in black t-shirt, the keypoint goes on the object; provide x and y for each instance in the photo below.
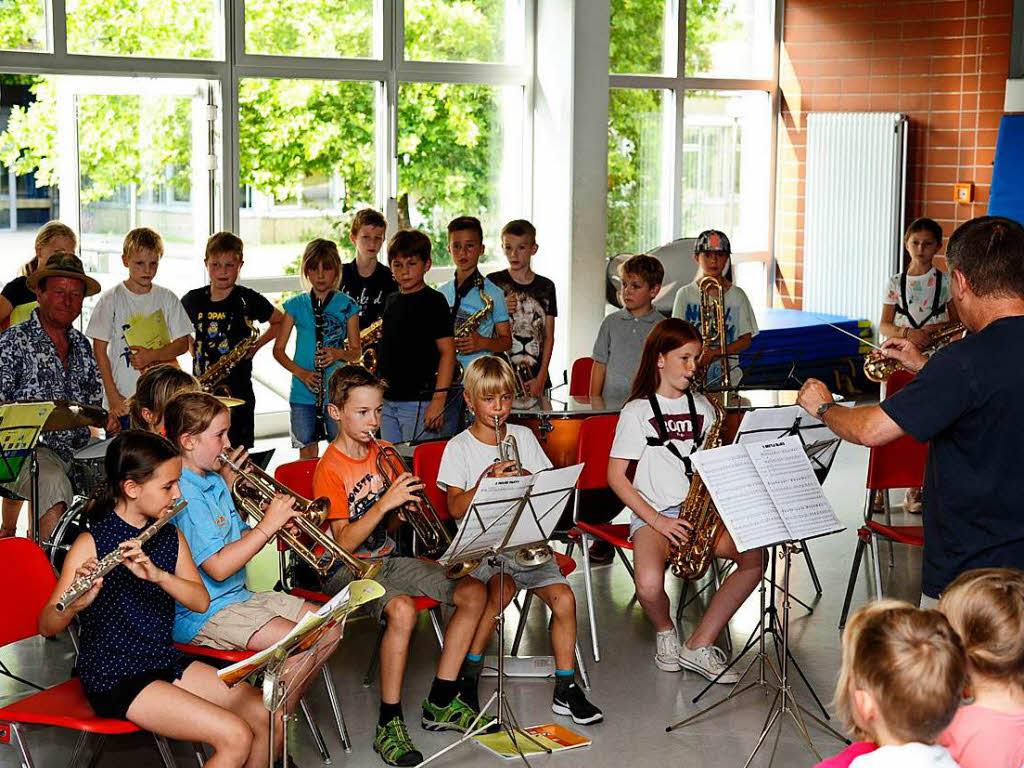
(417, 348)
(532, 304)
(365, 279)
(966, 403)
(224, 315)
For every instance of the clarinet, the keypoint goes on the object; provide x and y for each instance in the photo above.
(113, 559)
(319, 306)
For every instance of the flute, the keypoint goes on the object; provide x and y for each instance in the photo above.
(113, 559)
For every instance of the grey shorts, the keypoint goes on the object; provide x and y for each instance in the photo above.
(229, 629)
(525, 578)
(635, 523)
(400, 576)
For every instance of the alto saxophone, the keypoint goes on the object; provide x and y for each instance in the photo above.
(216, 373)
(878, 367)
(368, 338)
(692, 559)
(471, 325)
(113, 559)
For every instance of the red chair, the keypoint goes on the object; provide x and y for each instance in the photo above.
(298, 476)
(27, 581)
(900, 464)
(579, 379)
(426, 463)
(595, 444)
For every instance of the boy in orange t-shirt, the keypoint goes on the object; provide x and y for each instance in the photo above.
(361, 502)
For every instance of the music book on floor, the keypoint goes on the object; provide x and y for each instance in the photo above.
(766, 492)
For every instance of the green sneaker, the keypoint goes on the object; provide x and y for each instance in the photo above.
(394, 745)
(457, 716)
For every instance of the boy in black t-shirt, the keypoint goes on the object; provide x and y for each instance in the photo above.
(365, 279)
(223, 315)
(417, 346)
(532, 306)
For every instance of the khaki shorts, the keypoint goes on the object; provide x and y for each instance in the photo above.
(400, 576)
(230, 629)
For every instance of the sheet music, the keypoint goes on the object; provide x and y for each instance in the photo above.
(759, 424)
(789, 480)
(485, 526)
(740, 496)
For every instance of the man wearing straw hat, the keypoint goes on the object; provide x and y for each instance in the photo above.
(46, 358)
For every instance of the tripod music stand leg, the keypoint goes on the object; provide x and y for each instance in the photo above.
(314, 729)
(812, 571)
(822, 724)
(34, 492)
(764, 733)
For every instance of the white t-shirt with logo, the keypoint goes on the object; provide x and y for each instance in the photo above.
(465, 458)
(660, 476)
(114, 314)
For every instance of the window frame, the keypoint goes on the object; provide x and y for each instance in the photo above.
(675, 83)
(387, 71)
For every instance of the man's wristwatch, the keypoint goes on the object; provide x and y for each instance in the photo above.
(820, 413)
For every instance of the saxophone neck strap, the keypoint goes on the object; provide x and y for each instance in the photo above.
(662, 440)
(475, 280)
(903, 308)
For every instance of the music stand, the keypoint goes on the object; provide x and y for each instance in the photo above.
(784, 701)
(507, 514)
(20, 427)
(309, 637)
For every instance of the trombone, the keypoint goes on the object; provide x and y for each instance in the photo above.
(421, 515)
(254, 489)
(532, 555)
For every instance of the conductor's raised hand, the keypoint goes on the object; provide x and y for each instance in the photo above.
(403, 490)
(904, 350)
(672, 528)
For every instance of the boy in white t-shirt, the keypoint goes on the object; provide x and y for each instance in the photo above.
(711, 252)
(121, 363)
(469, 457)
(661, 425)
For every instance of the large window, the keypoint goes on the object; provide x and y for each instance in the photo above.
(690, 126)
(276, 119)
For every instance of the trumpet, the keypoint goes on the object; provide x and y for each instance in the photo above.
(254, 489)
(113, 559)
(421, 514)
(532, 555)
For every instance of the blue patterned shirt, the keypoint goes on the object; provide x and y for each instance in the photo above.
(31, 369)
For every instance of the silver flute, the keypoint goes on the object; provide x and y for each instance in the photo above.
(113, 559)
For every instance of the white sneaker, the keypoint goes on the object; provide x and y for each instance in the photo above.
(667, 657)
(709, 661)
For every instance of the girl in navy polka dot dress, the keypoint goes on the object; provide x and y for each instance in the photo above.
(128, 665)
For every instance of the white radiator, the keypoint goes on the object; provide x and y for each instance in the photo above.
(853, 210)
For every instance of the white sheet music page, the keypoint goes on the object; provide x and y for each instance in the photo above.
(740, 497)
(496, 498)
(789, 479)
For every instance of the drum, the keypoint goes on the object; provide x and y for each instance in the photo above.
(86, 468)
(557, 423)
(71, 523)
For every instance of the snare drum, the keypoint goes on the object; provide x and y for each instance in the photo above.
(86, 470)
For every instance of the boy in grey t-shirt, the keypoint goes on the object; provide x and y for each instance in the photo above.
(621, 337)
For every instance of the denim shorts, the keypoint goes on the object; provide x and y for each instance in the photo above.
(635, 523)
(304, 425)
(402, 421)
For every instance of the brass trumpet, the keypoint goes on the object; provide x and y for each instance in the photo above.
(421, 515)
(254, 489)
(532, 555)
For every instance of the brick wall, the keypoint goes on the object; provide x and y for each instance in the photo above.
(943, 63)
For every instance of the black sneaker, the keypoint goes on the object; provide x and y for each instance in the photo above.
(571, 701)
(601, 552)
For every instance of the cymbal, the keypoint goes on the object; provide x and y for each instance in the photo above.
(69, 414)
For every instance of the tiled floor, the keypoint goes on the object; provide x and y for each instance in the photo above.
(637, 699)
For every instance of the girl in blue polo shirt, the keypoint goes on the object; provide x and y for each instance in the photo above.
(337, 315)
(237, 619)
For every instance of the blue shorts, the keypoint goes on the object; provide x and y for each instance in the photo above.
(303, 421)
